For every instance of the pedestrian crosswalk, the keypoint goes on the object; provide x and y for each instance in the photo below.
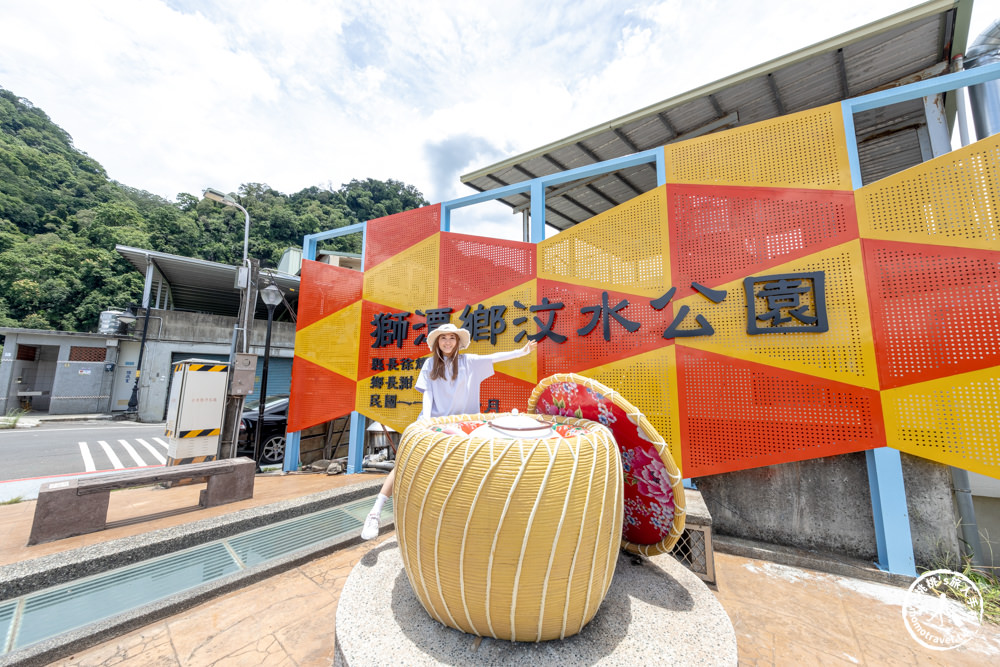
(120, 454)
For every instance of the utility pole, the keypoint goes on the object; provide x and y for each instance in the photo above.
(241, 344)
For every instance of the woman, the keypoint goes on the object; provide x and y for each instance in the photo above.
(450, 386)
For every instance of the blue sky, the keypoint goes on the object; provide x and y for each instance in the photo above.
(177, 96)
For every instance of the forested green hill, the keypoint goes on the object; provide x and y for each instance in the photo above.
(60, 218)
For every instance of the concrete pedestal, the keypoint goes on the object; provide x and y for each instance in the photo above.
(657, 612)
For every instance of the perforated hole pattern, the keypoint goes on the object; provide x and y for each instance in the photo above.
(802, 150)
(718, 233)
(621, 248)
(473, 268)
(957, 196)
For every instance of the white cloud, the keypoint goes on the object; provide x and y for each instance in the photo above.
(176, 96)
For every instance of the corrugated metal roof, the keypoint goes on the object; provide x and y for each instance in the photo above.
(200, 286)
(913, 44)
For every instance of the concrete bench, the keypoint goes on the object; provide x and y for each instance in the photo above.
(80, 506)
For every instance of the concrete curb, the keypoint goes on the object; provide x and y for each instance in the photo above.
(810, 560)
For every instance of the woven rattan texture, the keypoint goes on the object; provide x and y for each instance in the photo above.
(845, 353)
(935, 310)
(952, 200)
(388, 236)
(325, 289)
(800, 150)
(954, 420)
(509, 538)
(332, 342)
(737, 415)
(474, 268)
(578, 352)
(623, 249)
(318, 395)
(654, 513)
(409, 280)
(720, 233)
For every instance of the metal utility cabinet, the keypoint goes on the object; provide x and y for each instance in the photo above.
(195, 410)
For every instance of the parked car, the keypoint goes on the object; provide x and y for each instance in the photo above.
(272, 439)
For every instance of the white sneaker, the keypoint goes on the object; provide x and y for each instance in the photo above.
(370, 529)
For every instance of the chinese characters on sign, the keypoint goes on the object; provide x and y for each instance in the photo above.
(783, 303)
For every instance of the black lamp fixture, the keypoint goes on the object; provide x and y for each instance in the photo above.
(271, 296)
(125, 319)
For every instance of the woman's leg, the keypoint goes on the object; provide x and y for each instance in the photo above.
(372, 522)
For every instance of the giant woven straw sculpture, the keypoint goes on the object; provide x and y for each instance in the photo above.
(507, 537)
(654, 491)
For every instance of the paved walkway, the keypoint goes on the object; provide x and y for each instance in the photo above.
(782, 615)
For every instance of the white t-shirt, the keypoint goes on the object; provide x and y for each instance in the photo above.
(445, 397)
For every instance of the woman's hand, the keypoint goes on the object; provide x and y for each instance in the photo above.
(530, 346)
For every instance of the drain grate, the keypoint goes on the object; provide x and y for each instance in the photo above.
(54, 611)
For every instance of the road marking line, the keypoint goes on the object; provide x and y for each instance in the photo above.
(134, 454)
(162, 443)
(153, 451)
(115, 461)
(88, 460)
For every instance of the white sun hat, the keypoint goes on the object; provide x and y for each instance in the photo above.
(463, 336)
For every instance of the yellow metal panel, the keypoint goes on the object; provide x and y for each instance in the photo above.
(649, 382)
(623, 249)
(408, 280)
(799, 150)
(953, 420)
(407, 406)
(952, 200)
(333, 341)
(522, 368)
(845, 353)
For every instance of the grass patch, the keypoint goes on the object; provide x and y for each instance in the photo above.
(13, 501)
(12, 417)
(985, 580)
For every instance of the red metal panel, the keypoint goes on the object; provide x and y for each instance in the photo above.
(511, 392)
(366, 352)
(318, 395)
(721, 233)
(935, 310)
(388, 236)
(325, 289)
(736, 415)
(579, 353)
(473, 268)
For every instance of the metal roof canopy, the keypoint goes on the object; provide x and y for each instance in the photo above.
(915, 44)
(200, 286)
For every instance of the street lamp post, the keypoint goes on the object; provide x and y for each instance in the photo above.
(234, 404)
(271, 296)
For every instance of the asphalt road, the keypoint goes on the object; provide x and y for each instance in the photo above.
(66, 448)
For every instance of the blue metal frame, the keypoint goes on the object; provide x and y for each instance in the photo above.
(293, 439)
(536, 187)
(885, 472)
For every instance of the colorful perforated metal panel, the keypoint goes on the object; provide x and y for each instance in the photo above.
(764, 316)
(328, 289)
(935, 310)
(950, 200)
(799, 150)
(736, 414)
(623, 249)
(473, 267)
(953, 420)
(721, 233)
(387, 237)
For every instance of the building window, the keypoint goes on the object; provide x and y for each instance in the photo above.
(78, 353)
(27, 353)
